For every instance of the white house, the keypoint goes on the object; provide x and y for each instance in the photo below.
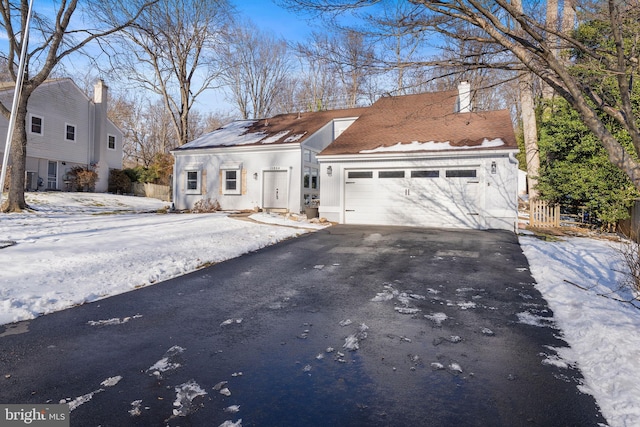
(420, 160)
(423, 160)
(268, 164)
(65, 128)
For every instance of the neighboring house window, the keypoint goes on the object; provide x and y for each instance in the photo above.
(36, 125)
(70, 133)
(111, 142)
(193, 181)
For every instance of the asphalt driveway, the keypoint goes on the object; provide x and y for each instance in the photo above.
(349, 326)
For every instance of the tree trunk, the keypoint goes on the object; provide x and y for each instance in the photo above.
(552, 25)
(18, 157)
(529, 126)
(530, 130)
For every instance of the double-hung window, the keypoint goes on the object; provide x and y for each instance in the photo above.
(36, 125)
(231, 175)
(111, 142)
(231, 181)
(193, 180)
(69, 132)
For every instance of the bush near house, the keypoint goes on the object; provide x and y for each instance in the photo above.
(157, 172)
(206, 206)
(82, 178)
(119, 182)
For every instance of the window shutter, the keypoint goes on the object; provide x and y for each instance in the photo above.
(244, 181)
(203, 182)
(220, 183)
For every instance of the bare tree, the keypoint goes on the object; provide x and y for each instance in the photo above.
(147, 127)
(350, 58)
(172, 50)
(214, 120)
(320, 90)
(54, 37)
(399, 45)
(527, 47)
(526, 83)
(256, 68)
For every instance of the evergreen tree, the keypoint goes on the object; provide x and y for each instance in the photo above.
(575, 168)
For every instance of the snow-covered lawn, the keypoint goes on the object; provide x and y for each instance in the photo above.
(604, 334)
(80, 247)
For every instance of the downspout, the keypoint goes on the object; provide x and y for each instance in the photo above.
(92, 132)
(514, 161)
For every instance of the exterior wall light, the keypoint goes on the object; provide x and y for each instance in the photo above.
(255, 176)
(329, 170)
(493, 168)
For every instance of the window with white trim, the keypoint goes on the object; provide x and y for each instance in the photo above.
(111, 142)
(36, 124)
(69, 132)
(231, 176)
(193, 178)
(231, 181)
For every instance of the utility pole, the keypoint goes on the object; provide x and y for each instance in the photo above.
(16, 98)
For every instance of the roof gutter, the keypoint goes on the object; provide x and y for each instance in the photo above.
(413, 155)
(226, 149)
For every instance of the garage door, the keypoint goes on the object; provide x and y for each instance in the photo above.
(443, 197)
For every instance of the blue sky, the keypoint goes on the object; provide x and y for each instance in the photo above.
(265, 14)
(270, 17)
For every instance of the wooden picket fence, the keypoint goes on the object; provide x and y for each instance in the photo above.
(162, 192)
(542, 214)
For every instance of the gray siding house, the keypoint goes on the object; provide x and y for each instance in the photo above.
(65, 129)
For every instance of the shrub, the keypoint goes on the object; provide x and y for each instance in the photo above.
(206, 206)
(119, 182)
(83, 178)
(630, 252)
(132, 173)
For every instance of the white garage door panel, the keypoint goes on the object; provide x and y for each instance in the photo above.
(425, 202)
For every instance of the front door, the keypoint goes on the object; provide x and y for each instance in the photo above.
(52, 176)
(275, 189)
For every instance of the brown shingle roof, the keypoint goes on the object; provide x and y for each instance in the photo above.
(280, 129)
(303, 123)
(426, 117)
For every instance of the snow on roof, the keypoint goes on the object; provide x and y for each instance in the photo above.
(296, 137)
(433, 146)
(281, 129)
(276, 137)
(234, 133)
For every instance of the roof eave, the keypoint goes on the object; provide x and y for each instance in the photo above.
(412, 155)
(237, 148)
